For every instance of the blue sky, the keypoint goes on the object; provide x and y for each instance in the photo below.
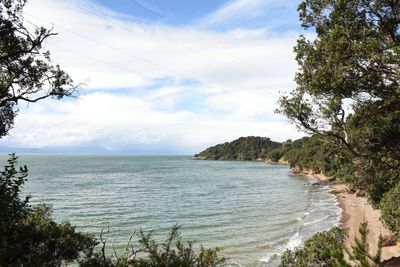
(163, 77)
(279, 16)
(175, 11)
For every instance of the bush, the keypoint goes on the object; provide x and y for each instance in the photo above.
(327, 249)
(168, 253)
(276, 154)
(29, 236)
(390, 210)
(319, 250)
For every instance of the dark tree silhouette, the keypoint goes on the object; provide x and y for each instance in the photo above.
(26, 71)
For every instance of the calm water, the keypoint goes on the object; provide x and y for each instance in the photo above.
(249, 209)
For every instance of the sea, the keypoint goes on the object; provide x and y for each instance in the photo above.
(253, 211)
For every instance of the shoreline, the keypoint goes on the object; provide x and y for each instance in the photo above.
(356, 210)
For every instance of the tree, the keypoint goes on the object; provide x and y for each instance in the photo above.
(29, 236)
(26, 71)
(348, 84)
(328, 249)
(354, 59)
(320, 250)
(390, 207)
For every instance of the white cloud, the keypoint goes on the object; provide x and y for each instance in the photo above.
(241, 11)
(120, 122)
(238, 76)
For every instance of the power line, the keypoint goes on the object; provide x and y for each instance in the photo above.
(125, 52)
(101, 61)
(191, 55)
(144, 76)
(138, 58)
(162, 16)
(111, 47)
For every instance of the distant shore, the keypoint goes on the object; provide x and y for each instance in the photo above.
(356, 210)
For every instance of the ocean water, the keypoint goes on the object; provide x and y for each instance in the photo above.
(251, 210)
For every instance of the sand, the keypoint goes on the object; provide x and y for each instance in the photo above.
(356, 210)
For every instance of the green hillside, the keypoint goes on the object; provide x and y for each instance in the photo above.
(244, 148)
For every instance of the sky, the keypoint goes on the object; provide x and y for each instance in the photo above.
(162, 77)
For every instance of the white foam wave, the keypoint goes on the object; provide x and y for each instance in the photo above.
(315, 221)
(294, 241)
(269, 257)
(323, 212)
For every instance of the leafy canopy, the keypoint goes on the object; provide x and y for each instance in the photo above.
(348, 86)
(354, 60)
(244, 148)
(26, 71)
(29, 236)
(390, 208)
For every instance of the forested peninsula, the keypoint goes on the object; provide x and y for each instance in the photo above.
(315, 152)
(244, 148)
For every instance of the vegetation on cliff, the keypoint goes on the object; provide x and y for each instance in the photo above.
(390, 208)
(244, 148)
(348, 88)
(315, 152)
(348, 95)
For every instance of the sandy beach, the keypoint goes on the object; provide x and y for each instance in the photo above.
(356, 210)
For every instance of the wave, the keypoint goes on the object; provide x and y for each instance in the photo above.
(323, 213)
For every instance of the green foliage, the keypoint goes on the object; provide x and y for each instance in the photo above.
(327, 249)
(26, 70)
(29, 237)
(276, 154)
(43, 242)
(11, 181)
(317, 152)
(348, 88)
(360, 253)
(354, 57)
(168, 253)
(244, 148)
(375, 127)
(320, 250)
(390, 210)
(348, 95)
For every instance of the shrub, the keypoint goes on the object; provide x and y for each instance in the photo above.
(171, 252)
(319, 250)
(327, 249)
(390, 210)
(29, 236)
